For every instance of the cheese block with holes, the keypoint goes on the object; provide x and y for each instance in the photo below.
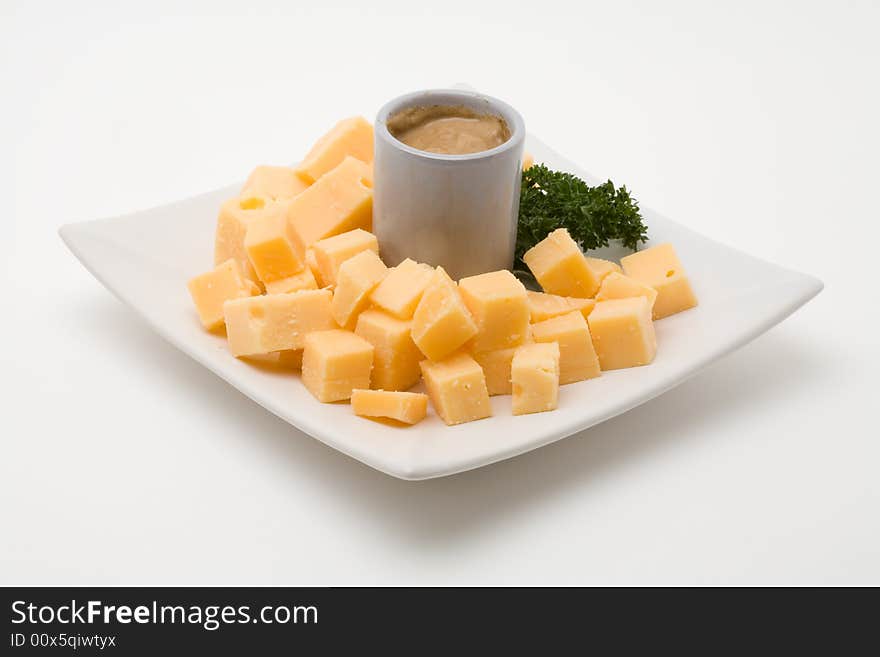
(258, 325)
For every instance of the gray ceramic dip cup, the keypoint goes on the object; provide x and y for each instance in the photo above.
(456, 211)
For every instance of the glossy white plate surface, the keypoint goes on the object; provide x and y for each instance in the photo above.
(146, 258)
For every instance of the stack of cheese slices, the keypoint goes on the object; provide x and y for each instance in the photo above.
(298, 281)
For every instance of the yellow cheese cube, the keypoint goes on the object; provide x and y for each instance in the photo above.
(334, 363)
(660, 268)
(273, 252)
(457, 388)
(534, 375)
(544, 306)
(496, 368)
(499, 305)
(331, 252)
(212, 289)
(273, 182)
(258, 325)
(291, 359)
(401, 290)
(601, 268)
(357, 277)
(287, 360)
(441, 322)
(304, 280)
(623, 332)
(406, 407)
(312, 264)
(340, 201)
(620, 286)
(577, 357)
(352, 137)
(232, 224)
(560, 268)
(528, 161)
(396, 357)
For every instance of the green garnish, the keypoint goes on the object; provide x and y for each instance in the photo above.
(593, 215)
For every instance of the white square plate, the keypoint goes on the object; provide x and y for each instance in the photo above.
(147, 257)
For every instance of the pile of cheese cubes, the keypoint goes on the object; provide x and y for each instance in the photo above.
(298, 279)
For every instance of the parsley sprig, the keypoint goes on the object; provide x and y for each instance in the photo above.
(593, 215)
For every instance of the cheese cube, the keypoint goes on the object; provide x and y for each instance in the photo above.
(499, 305)
(560, 267)
(340, 201)
(232, 224)
(601, 268)
(212, 289)
(304, 280)
(620, 286)
(274, 254)
(544, 306)
(534, 375)
(623, 332)
(402, 289)
(659, 267)
(396, 357)
(496, 368)
(286, 360)
(457, 388)
(291, 359)
(333, 251)
(334, 363)
(357, 277)
(273, 182)
(577, 357)
(312, 264)
(406, 407)
(441, 322)
(352, 136)
(258, 325)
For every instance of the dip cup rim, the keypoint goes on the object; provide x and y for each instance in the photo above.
(448, 97)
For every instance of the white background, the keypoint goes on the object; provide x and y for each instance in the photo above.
(125, 462)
